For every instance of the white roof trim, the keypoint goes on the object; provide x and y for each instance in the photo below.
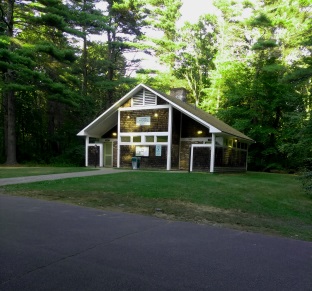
(112, 108)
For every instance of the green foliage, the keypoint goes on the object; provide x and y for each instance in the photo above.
(194, 60)
(306, 179)
(163, 17)
(263, 89)
(72, 156)
(264, 44)
(163, 81)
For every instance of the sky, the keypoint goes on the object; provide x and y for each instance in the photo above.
(192, 9)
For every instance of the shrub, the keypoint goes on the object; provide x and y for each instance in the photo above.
(306, 179)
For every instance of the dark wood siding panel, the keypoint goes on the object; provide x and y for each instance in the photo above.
(159, 123)
(152, 161)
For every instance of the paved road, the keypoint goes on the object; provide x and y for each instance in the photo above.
(53, 246)
(29, 179)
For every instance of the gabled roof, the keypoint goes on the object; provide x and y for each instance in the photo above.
(109, 118)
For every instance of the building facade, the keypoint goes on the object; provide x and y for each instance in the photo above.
(161, 131)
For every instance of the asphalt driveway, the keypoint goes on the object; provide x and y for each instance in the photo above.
(53, 246)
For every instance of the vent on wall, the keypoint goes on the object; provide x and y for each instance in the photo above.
(144, 98)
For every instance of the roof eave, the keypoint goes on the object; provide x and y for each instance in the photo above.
(111, 109)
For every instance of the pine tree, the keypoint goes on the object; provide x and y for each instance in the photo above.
(33, 31)
(194, 61)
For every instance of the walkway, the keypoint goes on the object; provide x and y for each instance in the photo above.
(29, 179)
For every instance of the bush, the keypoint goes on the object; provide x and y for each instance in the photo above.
(306, 179)
(71, 157)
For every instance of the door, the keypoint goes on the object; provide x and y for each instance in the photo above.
(200, 157)
(108, 154)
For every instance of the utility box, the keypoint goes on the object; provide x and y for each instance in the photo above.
(136, 163)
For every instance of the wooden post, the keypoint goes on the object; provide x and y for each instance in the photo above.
(212, 157)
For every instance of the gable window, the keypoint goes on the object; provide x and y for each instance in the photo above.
(144, 98)
(125, 138)
(162, 138)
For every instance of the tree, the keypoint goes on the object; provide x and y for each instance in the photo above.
(99, 69)
(163, 17)
(19, 70)
(84, 16)
(7, 11)
(126, 20)
(194, 61)
(265, 109)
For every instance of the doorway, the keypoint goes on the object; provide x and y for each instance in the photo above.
(200, 157)
(108, 154)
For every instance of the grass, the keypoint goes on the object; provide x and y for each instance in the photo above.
(21, 171)
(261, 202)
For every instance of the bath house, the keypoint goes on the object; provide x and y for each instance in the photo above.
(149, 129)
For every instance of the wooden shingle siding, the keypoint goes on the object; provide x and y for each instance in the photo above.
(152, 161)
(126, 154)
(115, 151)
(185, 154)
(128, 120)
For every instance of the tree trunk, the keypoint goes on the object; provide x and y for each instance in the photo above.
(84, 65)
(9, 97)
(10, 129)
(84, 57)
(110, 73)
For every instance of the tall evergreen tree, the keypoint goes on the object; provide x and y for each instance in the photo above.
(89, 20)
(163, 18)
(194, 61)
(19, 70)
(126, 19)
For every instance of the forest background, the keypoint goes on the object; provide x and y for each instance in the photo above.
(249, 63)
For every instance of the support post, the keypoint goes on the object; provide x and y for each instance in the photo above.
(212, 152)
(118, 140)
(191, 158)
(169, 140)
(86, 151)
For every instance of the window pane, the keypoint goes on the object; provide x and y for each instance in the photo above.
(162, 138)
(125, 138)
(149, 138)
(137, 138)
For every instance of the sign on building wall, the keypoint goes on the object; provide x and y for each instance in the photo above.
(158, 151)
(144, 120)
(142, 151)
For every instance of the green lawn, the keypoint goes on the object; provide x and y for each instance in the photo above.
(262, 202)
(20, 171)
